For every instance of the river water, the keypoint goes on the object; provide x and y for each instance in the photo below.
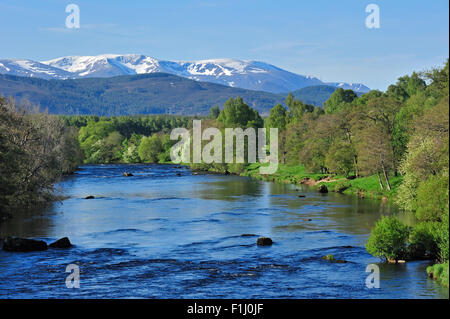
(161, 235)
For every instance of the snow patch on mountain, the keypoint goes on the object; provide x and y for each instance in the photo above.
(253, 75)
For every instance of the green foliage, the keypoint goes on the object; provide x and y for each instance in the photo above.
(338, 100)
(35, 150)
(236, 113)
(423, 241)
(150, 148)
(329, 257)
(235, 168)
(214, 112)
(388, 239)
(439, 272)
(296, 109)
(277, 118)
(340, 187)
(442, 237)
(339, 159)
(432, 198)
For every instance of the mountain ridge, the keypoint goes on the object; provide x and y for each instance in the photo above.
(154, 93)
(251, 75)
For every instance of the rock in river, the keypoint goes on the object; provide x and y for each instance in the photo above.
(264, 241)
(61, 243)
(322, 189)
(127, 174)
(23, 244)
(89, 197)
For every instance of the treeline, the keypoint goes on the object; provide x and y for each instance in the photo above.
(126, 139)
(35, 150)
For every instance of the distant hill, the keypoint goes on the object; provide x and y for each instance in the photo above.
(155, 93)
(316, 94)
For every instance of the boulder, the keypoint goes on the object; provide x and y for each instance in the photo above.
(89, 197)
(61, 243)
(127, 174)
(301, 195)
(264, 241)
(331, 258)
(322, 189)
(23, 244)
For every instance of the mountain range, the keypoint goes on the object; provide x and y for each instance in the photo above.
(154, 93)
(250, 75)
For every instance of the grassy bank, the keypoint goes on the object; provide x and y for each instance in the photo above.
(439, 272)
(363, 187)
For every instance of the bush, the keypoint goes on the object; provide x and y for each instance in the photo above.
(340, 187)
(439, 272)
(424, 242)
(388, 239)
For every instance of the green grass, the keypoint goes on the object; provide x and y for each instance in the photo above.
(369, 186)
(439, 272)
(363, 186)
(284, 173)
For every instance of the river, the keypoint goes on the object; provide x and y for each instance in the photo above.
(168, 233)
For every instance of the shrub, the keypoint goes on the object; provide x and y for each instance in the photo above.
(388, 239)
(423, 241)
(439, 272)
(340, 187)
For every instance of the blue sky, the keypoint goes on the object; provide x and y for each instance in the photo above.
(327, 39)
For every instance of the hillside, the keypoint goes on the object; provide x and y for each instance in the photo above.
(156, 93)
(315, 95)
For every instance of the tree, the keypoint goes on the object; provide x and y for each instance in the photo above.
(149, 149)
(277, 118)
(388, 239)
(214, 112)
(338, 100)
(375, 153)
(339, 158)
(427, 154)
(236, 113)
(35, 150)
(383, 111)
(296, 108)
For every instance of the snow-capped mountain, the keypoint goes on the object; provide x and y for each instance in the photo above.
(29, 68)
(356, 87)
(251, 75)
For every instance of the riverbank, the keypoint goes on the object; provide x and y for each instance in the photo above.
(439, 272)
(364, 187)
